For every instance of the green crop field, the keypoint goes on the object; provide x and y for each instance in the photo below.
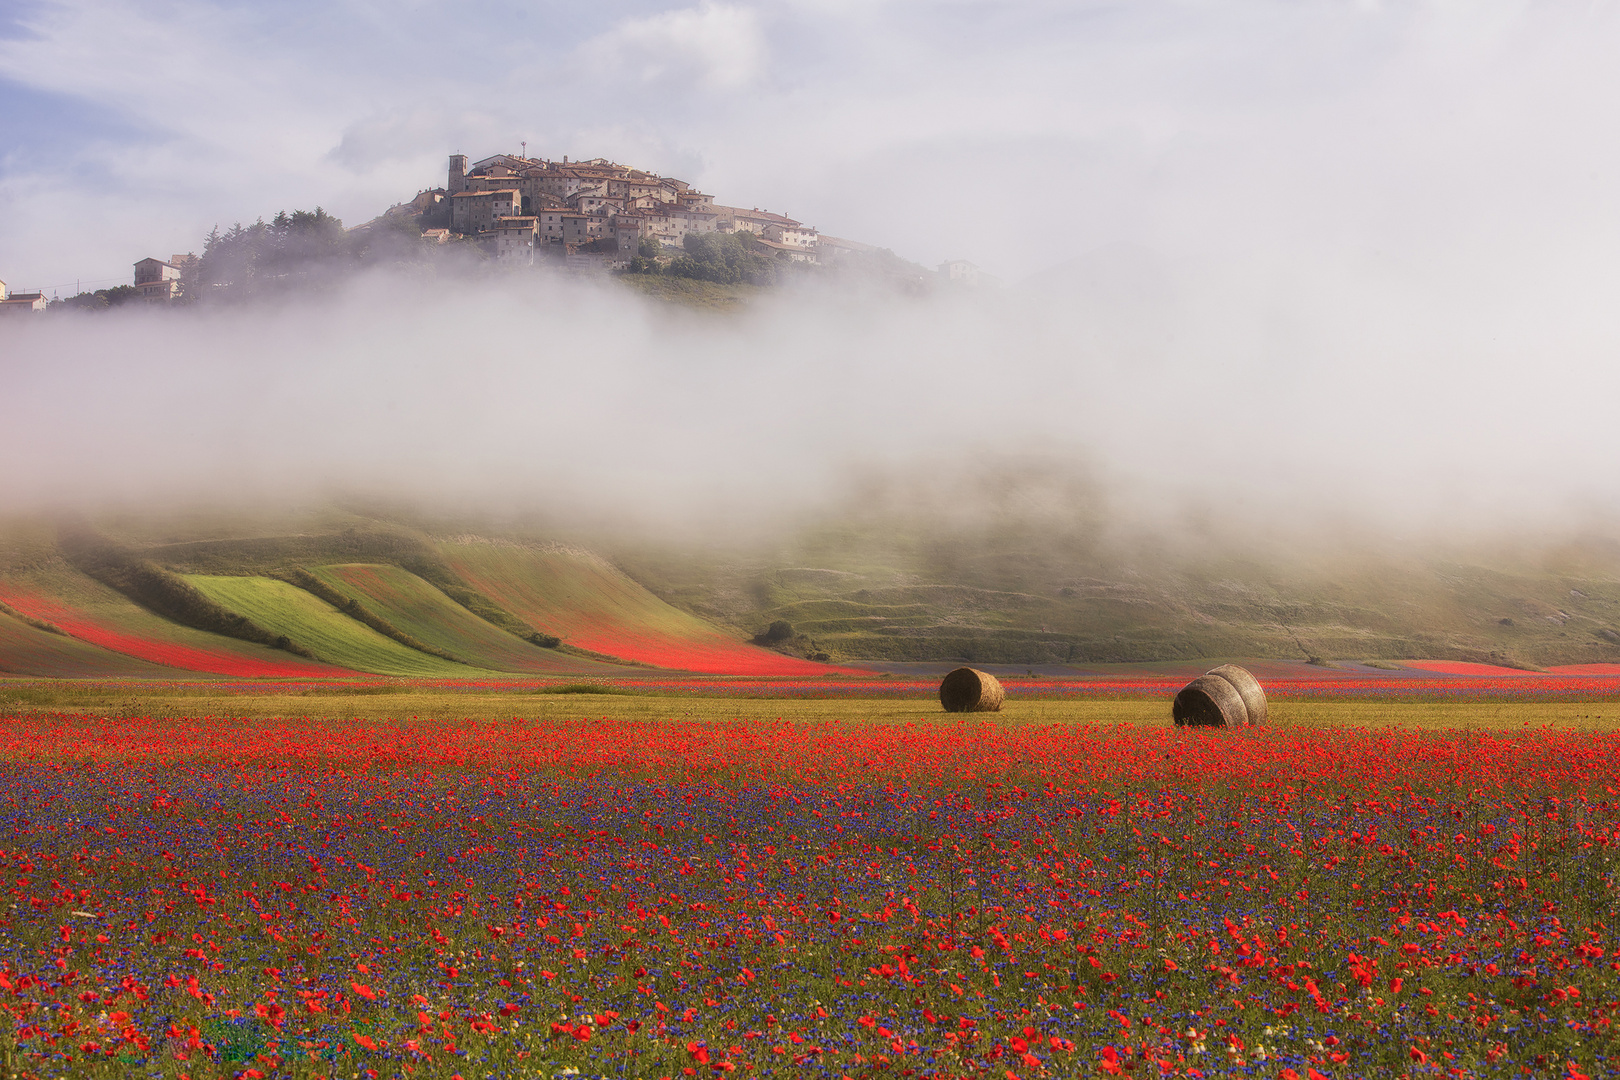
(419, 609)
(322, 628)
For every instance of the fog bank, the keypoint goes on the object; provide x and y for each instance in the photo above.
(1170, 390)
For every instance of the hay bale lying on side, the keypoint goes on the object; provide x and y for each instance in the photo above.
(1209, 701)
(970, 690)
(1248, 688)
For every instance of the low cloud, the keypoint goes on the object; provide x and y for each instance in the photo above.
(543, 395)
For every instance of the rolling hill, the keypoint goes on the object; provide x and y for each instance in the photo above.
(427, 614)
(1005, 590)
(96, 615)
(323, 629)
(345, 593)
(383, 600)
(28, 650)
(591, 605)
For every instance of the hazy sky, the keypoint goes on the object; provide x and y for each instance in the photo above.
(1344, 138)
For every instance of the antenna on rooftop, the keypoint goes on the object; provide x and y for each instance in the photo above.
(525, 145)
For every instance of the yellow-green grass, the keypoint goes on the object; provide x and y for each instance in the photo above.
(323, 629)
(28, 650)
(391, 702)
(425, 613)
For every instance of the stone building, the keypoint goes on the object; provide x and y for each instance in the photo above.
(157, 281)
(473, 212)
(513, 241)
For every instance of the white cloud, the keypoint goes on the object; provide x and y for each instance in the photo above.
(713, 46)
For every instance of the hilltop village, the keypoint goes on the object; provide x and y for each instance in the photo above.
(597, 210)
(591, 217)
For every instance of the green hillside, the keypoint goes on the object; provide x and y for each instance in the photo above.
(592, 605)
(425, 613)
(996, 583)
(323, 629)
(1048, 591)
(48, 588)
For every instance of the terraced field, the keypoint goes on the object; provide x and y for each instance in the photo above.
(590, 605)
(323, 629)
(426, 614)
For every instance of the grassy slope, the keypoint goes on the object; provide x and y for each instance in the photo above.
(690, 292)
(25, 650)
(50, 589)
(593, 606)
(896, 591)
(425, 613)
(323, 629)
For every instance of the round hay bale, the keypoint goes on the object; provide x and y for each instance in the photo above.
(1248, 688)
(971, 690)
(1209, 701)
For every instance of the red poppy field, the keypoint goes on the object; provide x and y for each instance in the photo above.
(647, 895)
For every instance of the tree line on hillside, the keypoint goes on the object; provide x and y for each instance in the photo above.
(301, 249)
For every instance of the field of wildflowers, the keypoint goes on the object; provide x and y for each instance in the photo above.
(599, 896)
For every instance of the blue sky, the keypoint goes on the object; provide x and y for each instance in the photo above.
(1318, 136)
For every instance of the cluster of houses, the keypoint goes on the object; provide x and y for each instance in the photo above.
(589, 215)
(595, 212)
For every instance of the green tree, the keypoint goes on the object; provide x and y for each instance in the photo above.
(727, 258)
